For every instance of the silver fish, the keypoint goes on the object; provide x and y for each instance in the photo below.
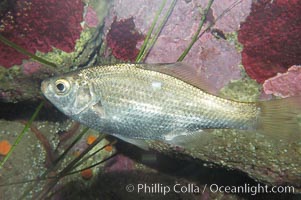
(166, 102)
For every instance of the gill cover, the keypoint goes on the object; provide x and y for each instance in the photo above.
(85, 98)
(68, 95)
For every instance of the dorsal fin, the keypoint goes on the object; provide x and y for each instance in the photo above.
(184, 72)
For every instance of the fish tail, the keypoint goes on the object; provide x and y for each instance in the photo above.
(281, 118)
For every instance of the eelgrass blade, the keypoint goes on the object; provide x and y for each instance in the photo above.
(25, 52)
(139, 57)
(158, 31)
(68, 168)
(70, 173)
(220, 16)
(196, 35)
(71, 145)
(77, 171)
(43, 177)
(91, 166)
(20, 136)
(94, 153)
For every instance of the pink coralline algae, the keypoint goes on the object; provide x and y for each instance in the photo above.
(31, 68)
(91, 18)
(119, 163)
(285, 84)
(231, 20)
(39, 25)
(213, 62)
(271, 37)
(217, 59)
(122, 38)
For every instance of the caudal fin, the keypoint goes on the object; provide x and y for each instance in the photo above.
(281, 119)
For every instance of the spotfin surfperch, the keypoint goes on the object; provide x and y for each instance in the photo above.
(166, 102)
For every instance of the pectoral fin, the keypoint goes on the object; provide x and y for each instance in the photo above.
(189, 139)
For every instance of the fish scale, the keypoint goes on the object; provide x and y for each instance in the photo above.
(137, 101)
(179, 105)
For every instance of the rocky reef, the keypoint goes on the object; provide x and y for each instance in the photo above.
(39, 26)
(67, 42)
(209, 54)
(242, 45)
(284, 84)
(254, 32)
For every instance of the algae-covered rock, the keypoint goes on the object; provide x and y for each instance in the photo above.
(263, 158)
(245, 90)
(21, 82)
(41, 154)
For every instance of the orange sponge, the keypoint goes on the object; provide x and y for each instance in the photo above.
(91, 139)
(87, 174)
(5, 147)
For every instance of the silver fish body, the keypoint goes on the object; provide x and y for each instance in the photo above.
(137, 102)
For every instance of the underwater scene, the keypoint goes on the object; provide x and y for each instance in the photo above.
(150, 99)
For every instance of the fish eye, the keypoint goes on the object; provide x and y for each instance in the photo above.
(62, 86)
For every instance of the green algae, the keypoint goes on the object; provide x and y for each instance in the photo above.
(101, 7)
(245, 90)
(197, 33)
(232, 38)
(64, 59)
(11, 73)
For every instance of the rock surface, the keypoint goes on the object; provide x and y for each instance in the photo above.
(284, 84)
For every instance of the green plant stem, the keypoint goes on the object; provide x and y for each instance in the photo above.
(54, 166)
(195, 37)
(25, 52)
(91, 166)
(159, 29)
(77, 171)
(67, 174)
(138, 59)
(219, 17)
(68, 168)
(83, 160)
(20, 136)
(70, 146)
